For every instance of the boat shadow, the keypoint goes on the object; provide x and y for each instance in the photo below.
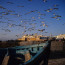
(57, 54)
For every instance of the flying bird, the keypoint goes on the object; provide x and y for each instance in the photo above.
(10, 2)
(1, 7)
(56, 5)
(41, 30)
(20, 6)
(29, 0)
(55, 8)
(6, 30)
(44, 0)
(57, 15)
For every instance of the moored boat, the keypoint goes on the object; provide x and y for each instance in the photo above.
(36, 54)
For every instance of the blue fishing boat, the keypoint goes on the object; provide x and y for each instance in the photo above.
(36, 54)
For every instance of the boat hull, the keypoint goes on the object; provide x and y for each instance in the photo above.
(39, 56)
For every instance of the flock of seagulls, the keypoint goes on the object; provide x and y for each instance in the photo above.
(26, 25)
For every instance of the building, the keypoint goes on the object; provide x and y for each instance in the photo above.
(61, 36)
(33, 38)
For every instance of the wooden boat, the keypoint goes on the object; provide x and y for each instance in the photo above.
(36, 54)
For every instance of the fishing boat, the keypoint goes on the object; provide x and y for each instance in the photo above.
(36, 54)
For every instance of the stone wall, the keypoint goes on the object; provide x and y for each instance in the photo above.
(57, 46)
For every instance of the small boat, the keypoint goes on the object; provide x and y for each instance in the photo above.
(36, 54)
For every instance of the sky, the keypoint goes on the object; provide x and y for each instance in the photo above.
(42, 17)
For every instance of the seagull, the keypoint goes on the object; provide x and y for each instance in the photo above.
(48, 10)
(2, 7)
(53, 13)
(58, 15)
(10, 2)
(58, 19)
(7, 30)
(5, 13)
(43, 25)
(17, 35)
(56, 5)
(29, 0)
(41, 30)
(44, 0)
(20, 6)
(55, 8)
(54, 17)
